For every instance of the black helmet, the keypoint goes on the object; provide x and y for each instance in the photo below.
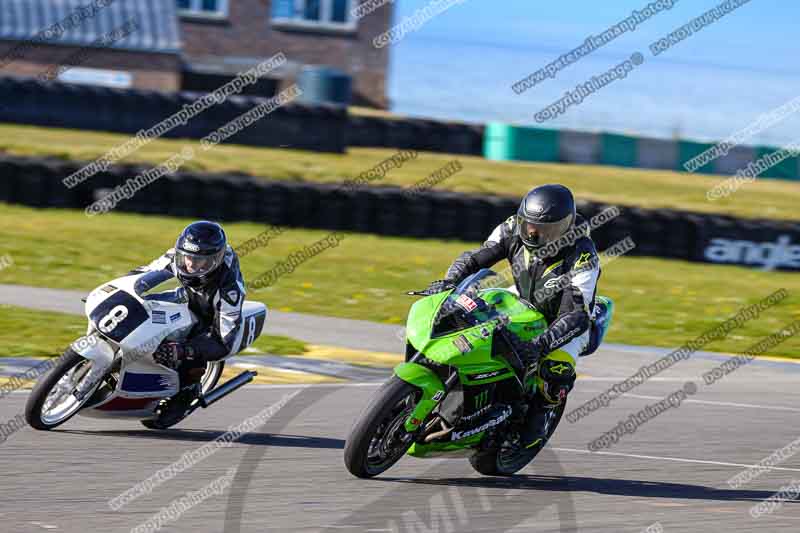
(199, 252)
(545, 214)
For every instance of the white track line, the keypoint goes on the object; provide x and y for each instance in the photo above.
(311, 385)
(612, 379)
(724, 404)
(277, 386)
(709, 402)
(674, 459)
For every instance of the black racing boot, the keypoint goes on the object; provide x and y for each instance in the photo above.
(172, 410)
(542, 415)
(556, 380)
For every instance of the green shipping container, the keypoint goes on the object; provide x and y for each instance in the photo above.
(504, 142)
(619, 150)
(688, 150)
(786, 169)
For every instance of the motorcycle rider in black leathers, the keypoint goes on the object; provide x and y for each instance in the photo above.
(208, 269)
(555, 268)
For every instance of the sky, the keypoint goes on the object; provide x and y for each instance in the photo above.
(461, 64)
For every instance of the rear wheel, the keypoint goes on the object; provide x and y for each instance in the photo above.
(211, 377)
(379, 438)
(53, 400)
(511, 455)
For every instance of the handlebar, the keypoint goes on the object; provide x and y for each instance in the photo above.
(426, 292)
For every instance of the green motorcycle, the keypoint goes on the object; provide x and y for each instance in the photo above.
(463, 388)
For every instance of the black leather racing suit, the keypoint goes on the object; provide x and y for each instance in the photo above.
(218, 307)
(561, 286)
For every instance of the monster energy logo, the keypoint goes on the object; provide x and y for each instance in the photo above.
(482, 398)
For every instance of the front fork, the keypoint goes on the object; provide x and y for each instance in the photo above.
(96, 349)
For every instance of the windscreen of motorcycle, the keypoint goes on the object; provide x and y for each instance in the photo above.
(480, 298)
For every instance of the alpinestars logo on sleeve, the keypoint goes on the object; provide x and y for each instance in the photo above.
(556, 282)
(583, 260)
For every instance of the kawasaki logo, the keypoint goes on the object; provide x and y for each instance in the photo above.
(457, 435)
(766, 254)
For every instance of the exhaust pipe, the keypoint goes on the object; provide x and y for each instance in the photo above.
(438, 434)
(441, 433)
(226, 388)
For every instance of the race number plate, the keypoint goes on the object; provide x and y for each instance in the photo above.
(118, 315)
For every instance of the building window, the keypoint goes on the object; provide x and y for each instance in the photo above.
(314, 14)
(203, 8)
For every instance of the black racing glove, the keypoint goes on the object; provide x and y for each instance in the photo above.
(170, 354)
(440, 285)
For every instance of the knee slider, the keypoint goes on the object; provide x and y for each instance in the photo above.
(557, 371)
(558, 378)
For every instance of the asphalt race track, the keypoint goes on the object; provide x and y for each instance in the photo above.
(289, 473)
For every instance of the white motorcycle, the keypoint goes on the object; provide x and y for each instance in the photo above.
(110, 373)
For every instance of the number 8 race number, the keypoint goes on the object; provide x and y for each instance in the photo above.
(251, 334)
(113, 318)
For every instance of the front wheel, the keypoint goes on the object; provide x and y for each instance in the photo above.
(53, 400)
(379, 438)
(511, 456)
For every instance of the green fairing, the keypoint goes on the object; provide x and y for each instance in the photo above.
(450, 340)
(428, 382)
(525, 322)
(434, 449)
(420, 318)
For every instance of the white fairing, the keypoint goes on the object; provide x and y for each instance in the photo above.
(128, 322)
(254, 316)
(95, 348)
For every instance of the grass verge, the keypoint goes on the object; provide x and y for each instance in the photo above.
(31, 333)
(658, 302)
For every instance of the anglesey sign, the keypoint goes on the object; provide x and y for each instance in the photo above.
(769, 255)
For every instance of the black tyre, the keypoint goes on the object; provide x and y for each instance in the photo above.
(61, 380)
(510, 459)
(379, 439)
(152, 424)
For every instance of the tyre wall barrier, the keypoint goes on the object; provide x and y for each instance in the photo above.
(416, 134)
(316, 127)
(667, 233)
(53, 104)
